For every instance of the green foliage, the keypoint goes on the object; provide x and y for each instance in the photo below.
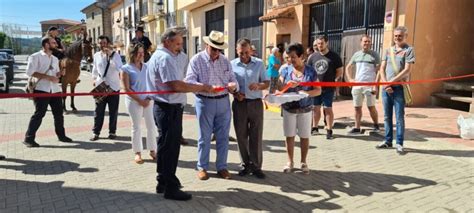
(3, 37)
(67, 39)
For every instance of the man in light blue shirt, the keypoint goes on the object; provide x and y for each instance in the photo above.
(164, 74)
(248, 108)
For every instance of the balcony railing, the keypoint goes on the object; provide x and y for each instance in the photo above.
(271, 4)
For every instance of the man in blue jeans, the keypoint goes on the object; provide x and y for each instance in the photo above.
(396, 66)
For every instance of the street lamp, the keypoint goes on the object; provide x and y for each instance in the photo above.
(160, 9)
(159, 5)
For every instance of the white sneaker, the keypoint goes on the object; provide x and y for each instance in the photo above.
(399, 149)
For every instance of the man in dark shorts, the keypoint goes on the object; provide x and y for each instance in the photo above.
(328, 66)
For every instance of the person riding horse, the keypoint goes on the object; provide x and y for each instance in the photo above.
(70, 65)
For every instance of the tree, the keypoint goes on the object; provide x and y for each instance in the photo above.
(3, 36)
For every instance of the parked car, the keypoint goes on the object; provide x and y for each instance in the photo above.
(85, 66)
(5, 60)
(10, 53)
(4, 85)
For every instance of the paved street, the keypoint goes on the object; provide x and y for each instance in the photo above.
(347, 174)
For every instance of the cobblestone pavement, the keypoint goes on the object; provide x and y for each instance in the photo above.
(347, 174)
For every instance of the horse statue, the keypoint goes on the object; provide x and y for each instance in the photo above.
(70, 65)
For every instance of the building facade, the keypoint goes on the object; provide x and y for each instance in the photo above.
(98, 19)
(235, 19)
(344, 21)
(61, 24)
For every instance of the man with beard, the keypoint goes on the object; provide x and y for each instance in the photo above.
(328, 66)
(44, 67)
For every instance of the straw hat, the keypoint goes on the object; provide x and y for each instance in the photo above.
(216, 40)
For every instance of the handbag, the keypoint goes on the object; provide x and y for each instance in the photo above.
(103, 87)
(33, 81)
(406, 88)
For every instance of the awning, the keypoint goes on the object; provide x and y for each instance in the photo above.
(287, 12)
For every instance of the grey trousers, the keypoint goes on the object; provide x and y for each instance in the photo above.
(248, 124)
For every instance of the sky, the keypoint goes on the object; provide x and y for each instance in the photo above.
(28, 13)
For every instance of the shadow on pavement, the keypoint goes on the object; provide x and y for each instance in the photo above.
(451, 153)
(48, 195)
(350, 183)
(55, 167)
(434, 134)
(189, 110)
(97, 146)
(82, 113)
(320, 186)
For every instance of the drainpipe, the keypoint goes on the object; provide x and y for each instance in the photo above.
(264, 36)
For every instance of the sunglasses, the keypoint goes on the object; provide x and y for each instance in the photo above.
(214, 49)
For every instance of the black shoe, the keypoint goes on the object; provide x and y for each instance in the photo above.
(2, 157)
(160, 188)
(354, 131)
(329, 134)
(384, 145)
(112, 136)
(232, 139)
(259, 174)
(314, 131)
(31, 144)
(94, 137)
(65, 139)
(177, 195)
(376, 128)
(244, 171)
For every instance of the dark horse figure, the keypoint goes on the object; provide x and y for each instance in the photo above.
(70, 66)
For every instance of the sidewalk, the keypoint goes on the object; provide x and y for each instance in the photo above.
(347, 173)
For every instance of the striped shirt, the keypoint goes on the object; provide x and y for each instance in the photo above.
(202, 70)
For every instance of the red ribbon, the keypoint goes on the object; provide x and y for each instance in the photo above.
(220, 89)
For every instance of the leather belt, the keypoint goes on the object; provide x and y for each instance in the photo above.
(212, 97)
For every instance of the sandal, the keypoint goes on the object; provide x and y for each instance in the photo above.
(288, 168)
(138, 159)
(304, 168)
(153, 155)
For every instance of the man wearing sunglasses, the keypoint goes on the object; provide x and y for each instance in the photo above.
(211, 67)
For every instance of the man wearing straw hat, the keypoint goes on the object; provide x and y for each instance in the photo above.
(211, 67)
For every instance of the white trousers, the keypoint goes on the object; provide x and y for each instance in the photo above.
(136, 113)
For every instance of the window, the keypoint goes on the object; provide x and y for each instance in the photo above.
(215, 20)
(197, 45)
(247, 23)
(93, 14)
(93, 34)
(98, 31)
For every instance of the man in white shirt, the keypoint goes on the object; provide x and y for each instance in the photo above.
(110, 74)
(45, 68)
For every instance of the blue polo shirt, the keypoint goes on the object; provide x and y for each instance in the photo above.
(164, 67)
(246, 74)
